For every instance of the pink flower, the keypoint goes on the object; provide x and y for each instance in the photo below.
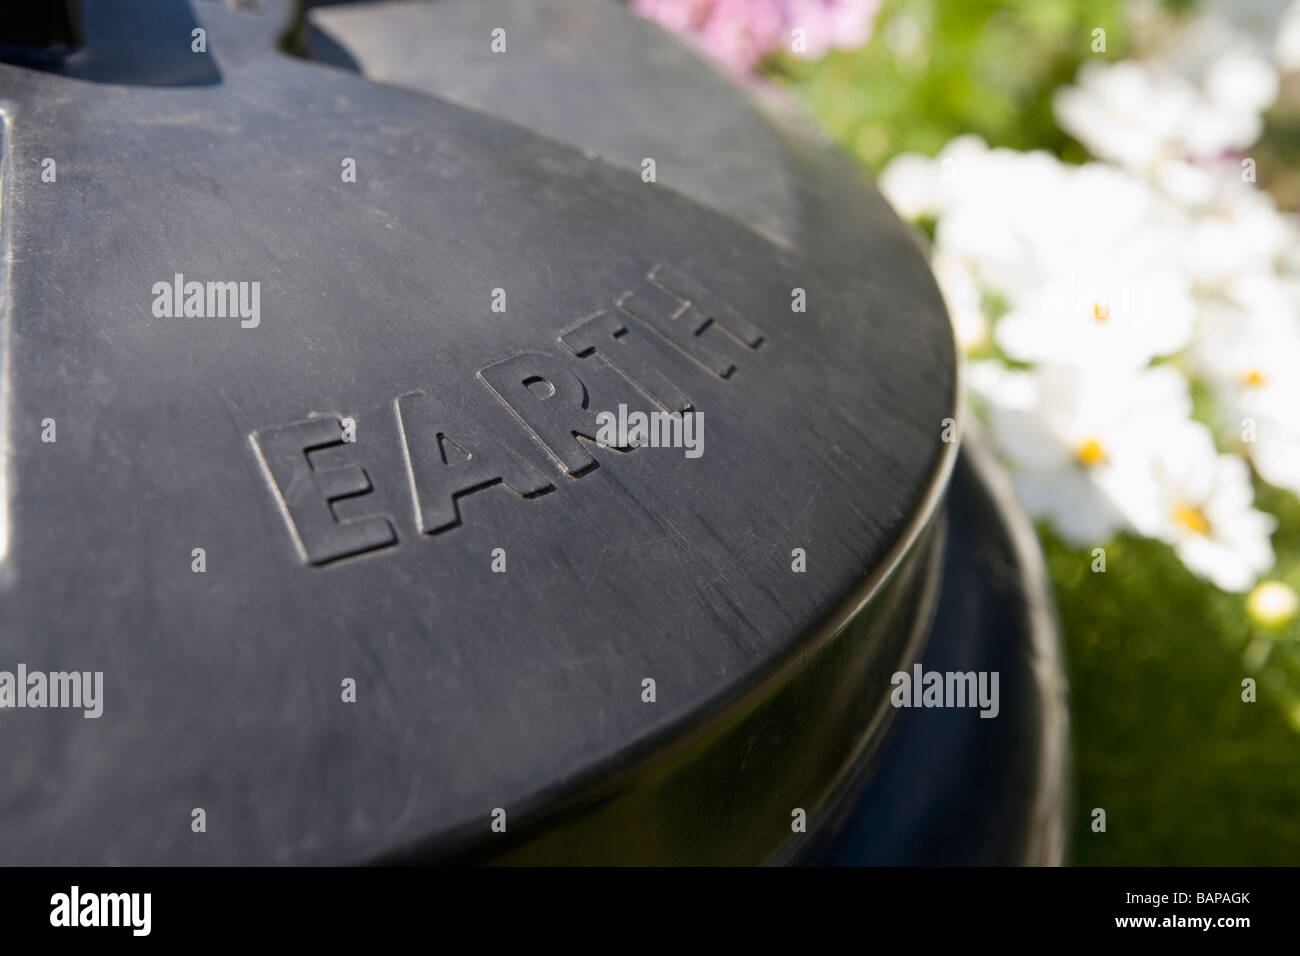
(831, 24)
(679, 16)
(740, 33)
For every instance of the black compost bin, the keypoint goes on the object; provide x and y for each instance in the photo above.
(306, 362)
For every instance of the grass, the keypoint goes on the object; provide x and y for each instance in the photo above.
(1187, 772)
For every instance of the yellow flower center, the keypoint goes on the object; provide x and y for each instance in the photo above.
(1193, 519)
(1100, 311)
(1254, 378)
(1091, 452)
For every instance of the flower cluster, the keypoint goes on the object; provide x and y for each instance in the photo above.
(741, 33)
(1098, 299)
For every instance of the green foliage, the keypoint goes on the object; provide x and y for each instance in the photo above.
(1187, 772)
(935, 68)
(1278, 154)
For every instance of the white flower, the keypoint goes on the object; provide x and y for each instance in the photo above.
(1131, 113)
(1234, 229)
(1261, 26)
(1077, 440)
(918, 186)
(1200, 502)
(911, 184)
(1200, 96)
(1107, 313)
(997, 213)
(1181, 107)
(1248, 351)
(1087, 260)
(1275, 450)
(1242, 84)
(1103, 270)
(1250, 359)
(962, 296)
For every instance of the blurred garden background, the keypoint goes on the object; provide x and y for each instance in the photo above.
(1109, 191)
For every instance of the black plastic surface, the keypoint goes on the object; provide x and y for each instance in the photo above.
(372, 559)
